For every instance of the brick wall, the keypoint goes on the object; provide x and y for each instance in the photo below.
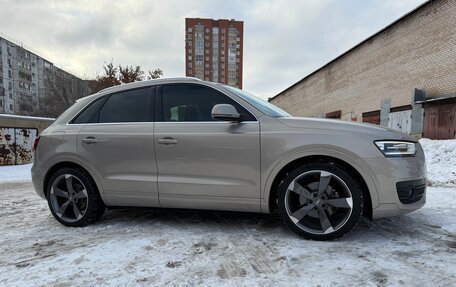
(419, 51)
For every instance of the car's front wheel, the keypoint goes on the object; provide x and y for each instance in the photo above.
(320, 201)
(73, 198)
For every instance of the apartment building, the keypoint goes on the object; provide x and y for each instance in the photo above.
(22, 78)
(213, 50)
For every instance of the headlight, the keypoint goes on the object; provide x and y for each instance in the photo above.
(396, 148)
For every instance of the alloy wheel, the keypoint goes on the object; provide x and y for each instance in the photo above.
(68, 197)
(318, 202)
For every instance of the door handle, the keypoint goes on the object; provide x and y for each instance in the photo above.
(167, 141)
(89, 140)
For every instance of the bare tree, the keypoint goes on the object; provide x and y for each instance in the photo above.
(114, 76)
(61, 91)
(130, 74)
(155, 74)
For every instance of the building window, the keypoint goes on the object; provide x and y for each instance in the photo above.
(10, 87)
(189, 30)
(10, 74)
(11, 107)
(1, 103)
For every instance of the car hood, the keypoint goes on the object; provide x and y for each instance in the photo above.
(375, 131)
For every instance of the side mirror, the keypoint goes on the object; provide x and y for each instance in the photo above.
(225, 112)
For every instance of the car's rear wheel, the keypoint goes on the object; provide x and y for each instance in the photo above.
(73, 198)
(320, 201)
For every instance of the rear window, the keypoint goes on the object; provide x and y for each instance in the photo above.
(128, 106)
(88, 114)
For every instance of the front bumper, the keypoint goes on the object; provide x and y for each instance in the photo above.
(400, 184)
(411, 191)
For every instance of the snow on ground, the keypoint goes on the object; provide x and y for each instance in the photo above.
(15, 173)
(193, 248)
(440, 161)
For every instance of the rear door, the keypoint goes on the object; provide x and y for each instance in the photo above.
(118, 146)
(203, 163)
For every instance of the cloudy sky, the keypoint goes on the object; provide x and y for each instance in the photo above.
(284, 40)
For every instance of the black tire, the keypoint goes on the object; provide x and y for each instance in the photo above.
(90, 207)
(336, 205)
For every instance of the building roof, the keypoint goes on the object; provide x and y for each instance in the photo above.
(405, 16)
(441, 98)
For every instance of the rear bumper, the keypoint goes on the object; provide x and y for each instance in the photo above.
(38, 180)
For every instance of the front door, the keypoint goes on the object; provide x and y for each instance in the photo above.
(203, 163)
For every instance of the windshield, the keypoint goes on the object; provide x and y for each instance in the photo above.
(262, 105)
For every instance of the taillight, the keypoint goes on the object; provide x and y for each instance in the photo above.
(35, 144)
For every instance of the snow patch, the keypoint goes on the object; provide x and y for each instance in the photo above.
(440, 161)
(15, 173)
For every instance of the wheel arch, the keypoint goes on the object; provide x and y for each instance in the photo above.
(68, 164)
(357, 170)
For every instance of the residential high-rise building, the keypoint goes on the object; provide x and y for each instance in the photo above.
(213, 50)
(23, 77)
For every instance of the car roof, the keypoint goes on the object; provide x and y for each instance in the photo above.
(146, 83)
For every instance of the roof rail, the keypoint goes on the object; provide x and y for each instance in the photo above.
(153, 80)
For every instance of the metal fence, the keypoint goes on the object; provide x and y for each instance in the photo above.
(16, 145)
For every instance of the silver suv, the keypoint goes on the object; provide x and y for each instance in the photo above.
(186, 143)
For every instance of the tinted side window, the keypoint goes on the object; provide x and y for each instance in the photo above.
(192, 103)
(87, 115)
(128, 106)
